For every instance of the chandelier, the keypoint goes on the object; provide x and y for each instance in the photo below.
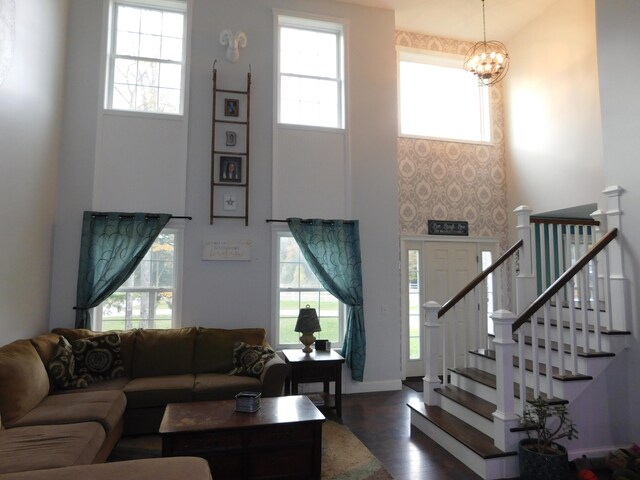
(487, 60)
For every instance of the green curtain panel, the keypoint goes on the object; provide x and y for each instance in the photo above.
(332, 249)
(113, 244)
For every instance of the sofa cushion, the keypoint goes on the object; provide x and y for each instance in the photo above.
(220, 386)
(193, 468)
(250, 359)
(105, 408)
(127, 341)
(23, 380)
(159, 391)
(112, 384)
(214, 347)
(49, 446)
(163, 352)
(62, 367)
(46, 346)
(98, 358)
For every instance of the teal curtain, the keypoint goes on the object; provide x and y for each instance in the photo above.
(332, 249)
(112, 246)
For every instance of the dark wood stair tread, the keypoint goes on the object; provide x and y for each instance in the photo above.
(464, 433)
(567, 377)
(468, 400)
(489, 380)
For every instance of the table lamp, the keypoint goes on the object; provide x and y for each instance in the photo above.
(307, 324)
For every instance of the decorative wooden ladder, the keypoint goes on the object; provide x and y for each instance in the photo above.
(554, 347)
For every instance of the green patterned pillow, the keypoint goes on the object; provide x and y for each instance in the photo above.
(98, 358)
(62, 367)
(250, 360)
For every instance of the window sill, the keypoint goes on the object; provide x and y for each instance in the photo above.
(447, 140)
(149, 115)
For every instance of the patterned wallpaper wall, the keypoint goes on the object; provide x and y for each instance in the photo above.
(442, 180)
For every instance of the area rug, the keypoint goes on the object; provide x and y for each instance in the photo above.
(414, 383)
(344, 457)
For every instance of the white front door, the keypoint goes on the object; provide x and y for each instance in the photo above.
(449, 268)
(436, 271)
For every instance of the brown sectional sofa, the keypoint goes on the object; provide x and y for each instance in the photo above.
(44, 427)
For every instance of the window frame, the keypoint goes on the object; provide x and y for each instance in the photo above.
(278, 234)
(321, 24)
(174, 6)
(177, 227)
(448, 60)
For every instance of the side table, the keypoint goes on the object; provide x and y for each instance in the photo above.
(317, 366)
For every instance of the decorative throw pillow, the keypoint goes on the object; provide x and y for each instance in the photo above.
(250, 360)
(62, 366)
(98, 358)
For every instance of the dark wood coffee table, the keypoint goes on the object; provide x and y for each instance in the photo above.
(283, 439)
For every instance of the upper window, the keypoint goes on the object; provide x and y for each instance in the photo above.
(310, 69)
(147, 56)
(299, 287)
(150, 296)
(439, 99)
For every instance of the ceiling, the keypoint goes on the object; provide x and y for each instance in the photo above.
(462, 19)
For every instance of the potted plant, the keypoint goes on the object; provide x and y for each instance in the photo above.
(541, 458)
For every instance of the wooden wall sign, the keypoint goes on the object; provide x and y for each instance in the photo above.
(448, 227)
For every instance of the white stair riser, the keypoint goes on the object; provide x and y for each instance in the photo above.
(476, 421)
(471, 386)
(490, 469)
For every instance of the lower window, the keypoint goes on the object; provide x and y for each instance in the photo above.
(299, 287)
(150, 296)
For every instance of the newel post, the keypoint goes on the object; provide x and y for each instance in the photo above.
(525, 279)
(504, 418)
(432, 343)
(619, 286)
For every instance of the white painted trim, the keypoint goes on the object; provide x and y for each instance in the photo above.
(179, 226)
(448, 238)
(350, 386)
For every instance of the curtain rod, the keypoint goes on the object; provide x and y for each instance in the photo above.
(275, 220)
(94, 215)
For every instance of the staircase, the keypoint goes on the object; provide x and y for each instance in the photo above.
(569, 328)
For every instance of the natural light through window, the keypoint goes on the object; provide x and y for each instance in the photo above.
(299, 287)
(148, 298)
(441, 100)
(146, 61)
(310, 70)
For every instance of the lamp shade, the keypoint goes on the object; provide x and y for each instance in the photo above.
(307, 321)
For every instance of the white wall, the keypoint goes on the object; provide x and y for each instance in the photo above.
(618, 38)
(30, 118)
(554, 141)
(237, 294)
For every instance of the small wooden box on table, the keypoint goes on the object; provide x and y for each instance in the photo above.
(317, 366)
(283, 439)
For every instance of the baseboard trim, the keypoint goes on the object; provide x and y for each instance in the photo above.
(349, 386)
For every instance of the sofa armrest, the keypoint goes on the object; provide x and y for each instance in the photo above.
(273, 376)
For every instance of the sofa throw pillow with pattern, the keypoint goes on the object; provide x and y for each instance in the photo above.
(98, 358)
(62, 367)
(250, 360)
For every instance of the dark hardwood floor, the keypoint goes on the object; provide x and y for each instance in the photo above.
(381, 421)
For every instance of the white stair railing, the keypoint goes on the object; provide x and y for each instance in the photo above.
(582, 273)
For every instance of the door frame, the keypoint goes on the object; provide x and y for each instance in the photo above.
(405, 242)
